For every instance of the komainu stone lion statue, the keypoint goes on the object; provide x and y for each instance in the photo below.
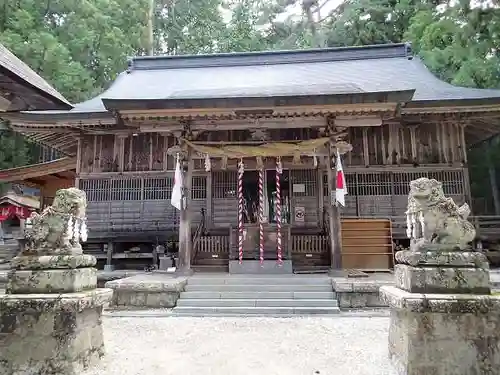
(59, 229)
(434, 219)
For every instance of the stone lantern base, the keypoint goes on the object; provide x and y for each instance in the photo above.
(443, 334)
(50, 320)
(443, 319)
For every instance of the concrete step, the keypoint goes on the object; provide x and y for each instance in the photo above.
(256, 303)
(253, 311)
(260, 280)
(258, 288)
(258, 295)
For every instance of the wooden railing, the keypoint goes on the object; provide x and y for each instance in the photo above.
(213, 244)
(310, 243)
(200, 230)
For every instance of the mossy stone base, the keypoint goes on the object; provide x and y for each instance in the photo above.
(442, 279)
(443, 334)
(51, 281)
(43, 262)
(51, 334)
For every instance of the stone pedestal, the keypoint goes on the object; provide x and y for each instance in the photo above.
(443, 319)
(50, 318)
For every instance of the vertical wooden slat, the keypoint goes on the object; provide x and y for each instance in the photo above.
(166, 145)
(78, 161)
(376, 141)
(463, 145)
(402, 132)
(444, 134)
(366, 153)
(390, 145)
(101, 166)
(130, 152)
(150, 140)
(397, 147)
(383, 145)
(413, 141)
(95, 167)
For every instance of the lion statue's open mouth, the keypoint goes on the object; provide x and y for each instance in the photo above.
(433, 218)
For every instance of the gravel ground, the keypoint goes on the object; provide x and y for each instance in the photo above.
(351, 345)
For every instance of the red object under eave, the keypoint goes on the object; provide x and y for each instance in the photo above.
(9, 210)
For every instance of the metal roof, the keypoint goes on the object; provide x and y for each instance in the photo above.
(328, 71)
(25, 88)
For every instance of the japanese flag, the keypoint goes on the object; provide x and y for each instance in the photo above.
(177, 189)
(341, 188)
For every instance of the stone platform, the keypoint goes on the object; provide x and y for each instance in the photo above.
(147, 290)
(51, 333)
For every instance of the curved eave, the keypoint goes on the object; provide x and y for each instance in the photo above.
(264, 102)
(37, 173)
(26, 95)
(453, 105)
(55, 117)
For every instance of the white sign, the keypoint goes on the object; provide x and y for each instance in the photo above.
(299, 214)
(299, 188)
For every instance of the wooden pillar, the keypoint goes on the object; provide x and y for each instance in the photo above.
(321, 203)
(334, 217)
(185, 241)
(208, 211)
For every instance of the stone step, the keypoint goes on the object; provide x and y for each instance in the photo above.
(253, 311)
(260, 280)
(212, 268)
(259, 288)
(258, 295)
(256, 303)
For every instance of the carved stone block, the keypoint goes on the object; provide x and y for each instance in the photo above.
(52, 281)
(433, 255)
(442, 279)
(443, 334)
(43, 262)
(51, 334)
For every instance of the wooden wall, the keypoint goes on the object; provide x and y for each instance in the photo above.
(128, 177)
(390, 144)
(385, 193)
(137, 204)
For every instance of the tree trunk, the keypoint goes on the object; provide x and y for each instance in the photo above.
(151, 14)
